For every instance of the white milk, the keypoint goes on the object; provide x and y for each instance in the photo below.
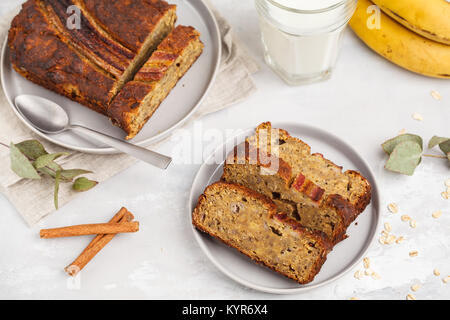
(302, 41)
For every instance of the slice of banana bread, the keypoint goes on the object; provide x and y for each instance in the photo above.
(140, 98)
(249, 222)
(307, 186)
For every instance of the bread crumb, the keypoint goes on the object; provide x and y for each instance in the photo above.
(417, 116)
(376, 276)
(437, 214)
(415, 287)
(414, 253)
(410, 297)
(413, 224)
(393, 208)
(436, 272)
(436, 95)
(446, 279)
(391, 239)
(445, 195)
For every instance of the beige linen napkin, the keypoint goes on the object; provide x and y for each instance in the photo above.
(33, 199)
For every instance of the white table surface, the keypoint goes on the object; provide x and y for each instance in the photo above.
(367, 101)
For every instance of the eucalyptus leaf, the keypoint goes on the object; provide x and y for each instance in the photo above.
(33, 149)
(445, 146)
(47, 159)
(405, 157)
(71, 174)
(21, 165)
(83, 184)
(51, 169)
(55, 193)
(436, 141)
(390, 145)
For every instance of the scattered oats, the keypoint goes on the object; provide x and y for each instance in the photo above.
(416, 287)
(405, 217)
(413, 223)
(436, 272)
(400, 239)
(445, 195)
(437, 214)
(391, 239)
(410, 297)
(447, 183)
(358, 275)
(366, 262)
(376, 276)
(354, 298)
(403, 131)
(382, 240)
(414, 253)
(393, 207)
(368, 272)
(446, 279)
(436, 95)
(387, 227)
(384, 233)
(417, 116)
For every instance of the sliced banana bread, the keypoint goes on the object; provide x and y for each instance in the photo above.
(249, 222)
(307, 186)
(140, 98)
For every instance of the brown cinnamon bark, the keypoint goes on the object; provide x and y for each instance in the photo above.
(97, 244)
(88, 229)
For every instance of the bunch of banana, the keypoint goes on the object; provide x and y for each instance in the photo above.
(417, 37)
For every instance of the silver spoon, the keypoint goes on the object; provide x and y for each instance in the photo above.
(49, 117)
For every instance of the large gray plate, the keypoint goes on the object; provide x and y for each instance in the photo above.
(344, 256)
(179, 106)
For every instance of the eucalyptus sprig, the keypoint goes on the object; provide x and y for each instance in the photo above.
(30, 160)
(406, 150)
(443, 143)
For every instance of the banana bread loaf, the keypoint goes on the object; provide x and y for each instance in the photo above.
(249, 222)
(306, 186)
(97, 62)
(140, 98)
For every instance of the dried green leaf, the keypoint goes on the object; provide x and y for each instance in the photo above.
(51, 169)
(83, 184)
(71, 174)
(46, 160)
(405, 157)
(445, 146)
(390, 145)
(55, 193)
(21, 165)
(436, 141)
(33, 149)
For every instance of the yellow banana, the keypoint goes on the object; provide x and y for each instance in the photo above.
(429, 18)
(398, 44)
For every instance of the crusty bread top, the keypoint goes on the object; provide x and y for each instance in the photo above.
(128, 21)
(167, 52)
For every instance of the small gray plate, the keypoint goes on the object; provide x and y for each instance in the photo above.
(176, 109)
(344, 256)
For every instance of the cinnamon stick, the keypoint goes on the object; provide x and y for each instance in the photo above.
(97, 244)
(88, 229)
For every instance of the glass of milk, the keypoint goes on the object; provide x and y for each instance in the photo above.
(301, 38)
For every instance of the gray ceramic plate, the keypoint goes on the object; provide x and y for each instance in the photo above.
(344, 256)
(179, 106)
